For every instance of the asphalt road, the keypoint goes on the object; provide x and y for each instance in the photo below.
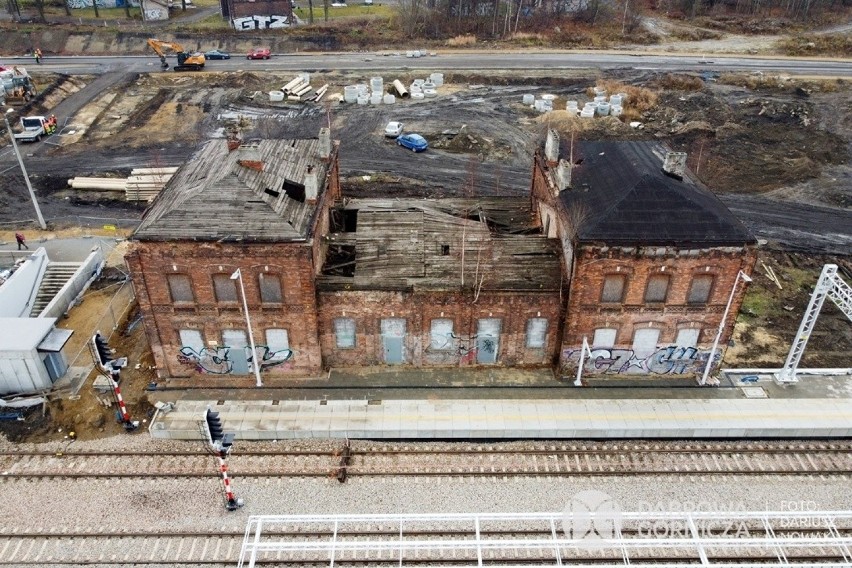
(462, 61)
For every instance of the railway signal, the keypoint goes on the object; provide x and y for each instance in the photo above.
(104, 358)
(111, 367)
(221, 443)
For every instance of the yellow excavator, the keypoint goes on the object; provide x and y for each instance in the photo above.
(186, 61)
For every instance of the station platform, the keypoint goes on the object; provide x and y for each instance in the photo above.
(816, 407)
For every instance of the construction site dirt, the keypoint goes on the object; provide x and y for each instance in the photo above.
(776, 150)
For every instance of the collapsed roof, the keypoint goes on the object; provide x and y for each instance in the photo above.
(264, 191)
(422, 244)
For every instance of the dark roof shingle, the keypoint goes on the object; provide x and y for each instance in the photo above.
(621, 196)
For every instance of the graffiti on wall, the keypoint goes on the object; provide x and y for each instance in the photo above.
(101, 3)
(219, 361)
(672, 360)
(261, 23)
(461, 349)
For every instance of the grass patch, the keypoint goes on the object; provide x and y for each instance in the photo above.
(345, 12)
(114, 14)
(833, 45)
(213, 22)
(757, 303)
(462, 41)
(679, 82)
(761, 82)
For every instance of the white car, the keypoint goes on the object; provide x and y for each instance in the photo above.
(393, 129)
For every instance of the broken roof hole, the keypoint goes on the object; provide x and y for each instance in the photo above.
(295, 191)
(344, 220)
(340, 261)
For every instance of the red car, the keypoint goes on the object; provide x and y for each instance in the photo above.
(258, 53)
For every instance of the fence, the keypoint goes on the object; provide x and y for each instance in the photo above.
(113, 314)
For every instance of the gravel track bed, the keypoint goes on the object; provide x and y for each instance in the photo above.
(173, 505)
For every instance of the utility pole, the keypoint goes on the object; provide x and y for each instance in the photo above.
(41, 222)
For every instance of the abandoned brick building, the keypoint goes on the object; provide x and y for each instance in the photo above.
(652, 255)
(612, 249)
(249, 207)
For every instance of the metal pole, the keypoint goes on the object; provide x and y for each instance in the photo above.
(578, 382)
(41, 222)
(709, 364)
(254, 363)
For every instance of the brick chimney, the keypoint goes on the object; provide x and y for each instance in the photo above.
(324, 143)
(311, 185)
(551, 147)
(674, 164)
(563, 175)
(233, 144)
(248, 156)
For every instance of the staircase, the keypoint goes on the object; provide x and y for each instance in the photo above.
(55, 277)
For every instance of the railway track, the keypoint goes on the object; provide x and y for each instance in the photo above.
(468, 460)
(224, 548)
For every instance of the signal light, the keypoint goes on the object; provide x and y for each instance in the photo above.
(102, 349)
(214, 426)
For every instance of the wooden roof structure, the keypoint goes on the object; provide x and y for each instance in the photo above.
(446, 244)
(218, 196)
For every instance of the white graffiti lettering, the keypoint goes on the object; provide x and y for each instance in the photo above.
(217, 360)
(672, 360)
(261, 23)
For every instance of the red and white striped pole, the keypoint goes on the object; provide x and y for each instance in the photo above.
(231, 499)
(125, 416)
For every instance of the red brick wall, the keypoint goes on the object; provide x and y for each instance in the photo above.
(586, 312)
(151, 262)
(367, 308)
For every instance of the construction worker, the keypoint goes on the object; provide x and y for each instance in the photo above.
(51, 124)
(37, 54)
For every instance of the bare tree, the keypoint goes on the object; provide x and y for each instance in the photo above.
(412, 16)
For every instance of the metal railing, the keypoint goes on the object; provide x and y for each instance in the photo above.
(597, 534)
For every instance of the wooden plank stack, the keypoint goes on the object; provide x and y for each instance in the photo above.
(143, 184)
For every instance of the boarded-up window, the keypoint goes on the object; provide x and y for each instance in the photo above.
(645, 342)
(536, 333)
(344, 332)
(224, 288)
(613, 289)
(658, 287)
(604, 337)
(687, 337)
(236, 341)
(192, 338)
(441, 335)
(270, 289)
(180, 287)
(277, 340)
(699, 290)
(234, 338)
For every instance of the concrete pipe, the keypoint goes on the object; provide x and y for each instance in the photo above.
(400, 89)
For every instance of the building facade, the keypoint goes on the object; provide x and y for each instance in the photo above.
(253, 208)
(609, 247)
(654, 256)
